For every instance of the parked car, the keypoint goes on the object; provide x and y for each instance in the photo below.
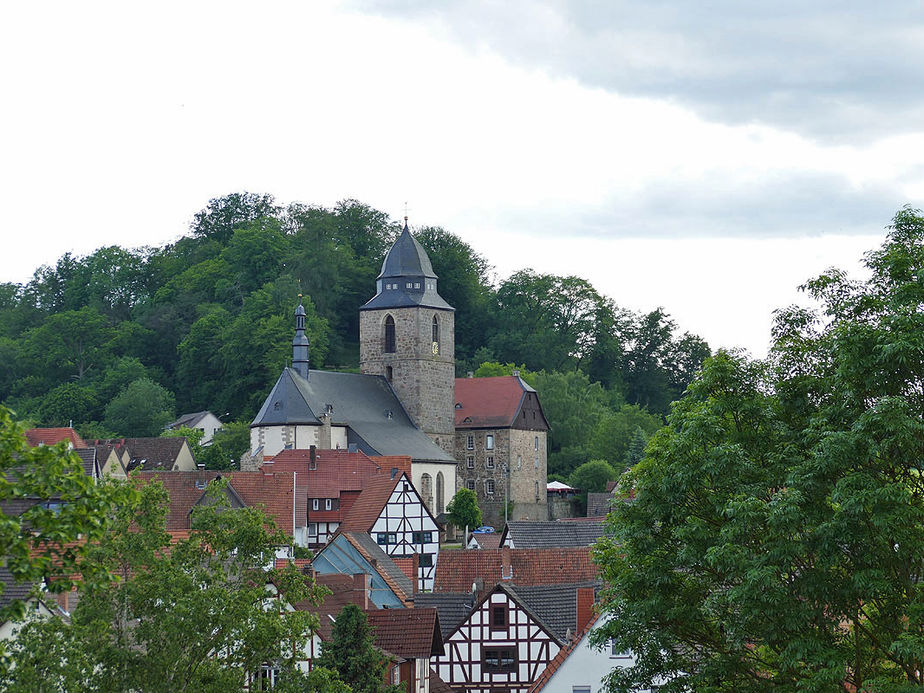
(485, 529)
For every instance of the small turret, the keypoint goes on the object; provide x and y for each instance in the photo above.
(300, 342)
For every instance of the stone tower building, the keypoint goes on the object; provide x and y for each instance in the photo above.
(407, 335)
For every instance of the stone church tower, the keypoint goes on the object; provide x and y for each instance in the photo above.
(407, 334)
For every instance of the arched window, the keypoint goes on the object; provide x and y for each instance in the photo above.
(389, 335)
(436, 335)
(439, 493)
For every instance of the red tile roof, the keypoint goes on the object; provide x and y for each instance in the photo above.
(488, 402)
(408, 633)
(456, 570)
(560, 658)
(370, 504)
(52, 436)
(335, 470)
(408, 565)
(272, 491)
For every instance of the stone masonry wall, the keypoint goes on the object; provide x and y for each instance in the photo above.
(423, 381)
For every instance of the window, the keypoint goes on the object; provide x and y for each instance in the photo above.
(499, 659)
(440, 484)
(536, 462)
(470, 442)
(421, 537)
(498, 617)
(470, 462)
(489, 487)
(327, 503)
(416, 285)
(580, 689)
(315, 504)
(436, 329)
(425, 560)
(389, 335)
(537, 442)
(489, 462)
(312, 529)
(386, 538)
(537, 491)
(408, 285)
(519, 461)
(470, 484)
(489, 442)
(388, 373)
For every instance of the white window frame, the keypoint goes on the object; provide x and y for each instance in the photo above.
(470, 443)
(489, 442)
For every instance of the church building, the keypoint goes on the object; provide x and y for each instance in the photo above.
(404, 402)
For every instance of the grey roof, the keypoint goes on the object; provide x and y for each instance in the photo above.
(189, 420)
(88, 460)
(453, 608)
(406, 262)
(152, 454)
(554, 605)
(598, 504)
(528, 534)
(12, 589)
(383, 561)
(366, 404)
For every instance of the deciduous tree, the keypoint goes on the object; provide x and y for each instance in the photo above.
(775, 538)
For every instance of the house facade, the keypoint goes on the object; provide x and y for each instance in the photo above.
(501, 646)
(501, 446)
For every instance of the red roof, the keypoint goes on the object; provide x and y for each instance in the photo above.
(335, 470)
(488, 402)
(456, 570)
(560, 658)
(370, 504)
(52, 436)
(408, 633)
(272, 491)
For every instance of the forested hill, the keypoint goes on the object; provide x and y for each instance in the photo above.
(122, 339)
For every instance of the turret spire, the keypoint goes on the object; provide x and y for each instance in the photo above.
(300, 342)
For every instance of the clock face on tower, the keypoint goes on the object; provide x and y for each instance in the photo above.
(436, 347)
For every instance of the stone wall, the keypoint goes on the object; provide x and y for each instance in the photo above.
(512, 447)
(423, 380)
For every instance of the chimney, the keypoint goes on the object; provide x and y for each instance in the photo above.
(516, 374)
(506, 567)
(312, 457)
(416, 571)
(585, 607)
(324, 436)
(362, 582)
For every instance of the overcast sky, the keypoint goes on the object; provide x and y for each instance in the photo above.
(707, 157)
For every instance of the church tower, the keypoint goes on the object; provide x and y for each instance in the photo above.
(407, 334)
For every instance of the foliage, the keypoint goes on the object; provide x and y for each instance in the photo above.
(227, 446)
(192, 614)
(140, 410)
(774, 541)
(210, 318)
(41, 542)
(351, 652)
(463, 510)
(615, 432)
(592, 476)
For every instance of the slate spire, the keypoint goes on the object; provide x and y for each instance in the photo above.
(300, 342)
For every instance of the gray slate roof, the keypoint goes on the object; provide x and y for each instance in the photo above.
(554, 605)
(406, 261)
(453, 608)
(189, 420)
(598, 504)
(528, 534)
(12, 589)
(88, 460)
(360, 402)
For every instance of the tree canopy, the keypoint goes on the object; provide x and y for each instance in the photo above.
(774, 539)
(463, 509)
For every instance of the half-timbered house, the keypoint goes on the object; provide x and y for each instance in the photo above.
(502, 645)
(394, 515)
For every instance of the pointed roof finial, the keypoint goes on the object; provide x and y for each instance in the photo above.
(405, 216)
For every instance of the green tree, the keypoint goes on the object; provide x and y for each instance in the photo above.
(140, 410)
(351, 652)
(463, 509)
(194, 614)
(774, 541)
(614, 432)
(68, 403)
(41, 541)
(227, 446)
(636, 450)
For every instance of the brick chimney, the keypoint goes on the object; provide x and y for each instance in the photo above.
(506, 567)
(585, 607)
(362, 582)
